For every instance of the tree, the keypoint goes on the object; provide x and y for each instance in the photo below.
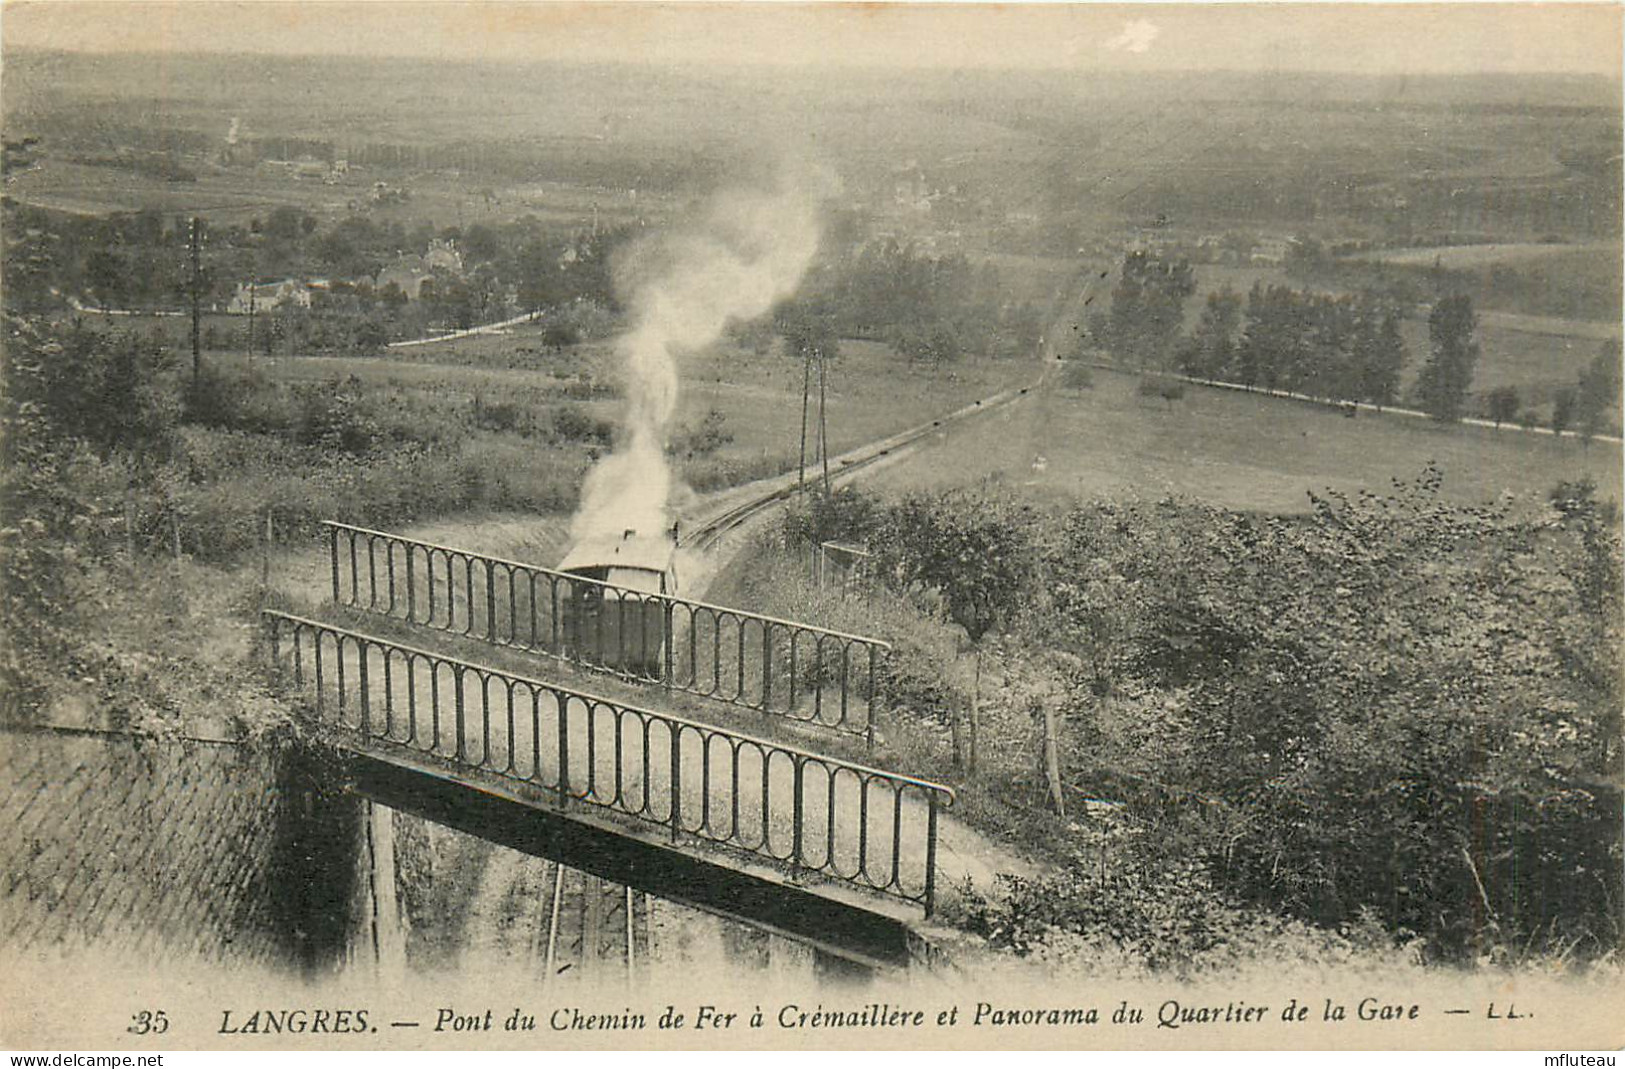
(107, 274)
(1453, 355)
(31, 263)
(1272, 353)
(370, 336)
(1381, 362)
(1598, 393)
(1148, 308)
(1563, 405)
(1211, 352)
(1502, 404)
(113, 391)
(539, 281)
(480, 244)
(972, 548)
(1331, 354)
(289, 224)
(393, 296)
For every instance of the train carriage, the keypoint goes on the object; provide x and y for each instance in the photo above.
(621, 621)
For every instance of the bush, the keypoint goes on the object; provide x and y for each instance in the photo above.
(571, 423)
(1118, 916)
(503, 416)
(848, 515)
(334, 415)
(1161, 386)
(1396, 730)
(704, 440)
(226, 399)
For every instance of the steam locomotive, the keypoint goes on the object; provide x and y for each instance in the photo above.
(620, 619)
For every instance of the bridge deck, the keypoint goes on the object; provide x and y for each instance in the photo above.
(795, 670)
(736, 810)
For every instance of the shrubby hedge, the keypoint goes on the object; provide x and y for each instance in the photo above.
(1393, 707)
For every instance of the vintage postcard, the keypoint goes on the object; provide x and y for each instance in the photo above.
(562, 525)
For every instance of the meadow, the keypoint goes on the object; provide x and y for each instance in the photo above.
(1235, 450)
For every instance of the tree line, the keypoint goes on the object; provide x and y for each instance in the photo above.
(1345, 348)
(1342, 348)
(934, 308)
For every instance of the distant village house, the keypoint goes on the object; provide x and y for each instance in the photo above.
(266, 296)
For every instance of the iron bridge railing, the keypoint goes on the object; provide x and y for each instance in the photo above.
(817, 814)
(775, 666)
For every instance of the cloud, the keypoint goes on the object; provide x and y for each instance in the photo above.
(1136, 36)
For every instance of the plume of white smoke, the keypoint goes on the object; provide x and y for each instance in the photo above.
(749, 253)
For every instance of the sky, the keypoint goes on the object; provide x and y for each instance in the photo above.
(1405, 38)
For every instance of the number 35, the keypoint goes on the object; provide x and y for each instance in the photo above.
(149, 1022)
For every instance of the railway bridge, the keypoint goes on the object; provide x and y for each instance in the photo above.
(792, 839)
(836, 854)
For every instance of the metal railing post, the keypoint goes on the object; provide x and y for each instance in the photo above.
(366, 702)
(563, 705)
(490, 601)
(411, 589)
(930, 852)
(333, 555)
(316, 657)
(355, 574)
(668, 615)
(553, 615)
(767, 666)
(877, 698)
(451, 593)
(796, 811)
(460, 716)
(530, 580)
(676, 781)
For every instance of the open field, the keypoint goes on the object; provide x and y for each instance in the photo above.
(1477, 256)
(235, 196)
(1235, 450)
(872, 392)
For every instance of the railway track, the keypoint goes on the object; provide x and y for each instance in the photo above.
(592, 924)
(709, 534)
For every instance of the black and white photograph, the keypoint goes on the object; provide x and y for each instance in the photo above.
(810, 525)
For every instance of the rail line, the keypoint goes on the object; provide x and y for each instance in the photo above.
(593, 923)
(710, 533)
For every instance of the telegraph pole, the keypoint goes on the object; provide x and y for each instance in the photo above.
(197, 296)
(253, 284)
(823, 422)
